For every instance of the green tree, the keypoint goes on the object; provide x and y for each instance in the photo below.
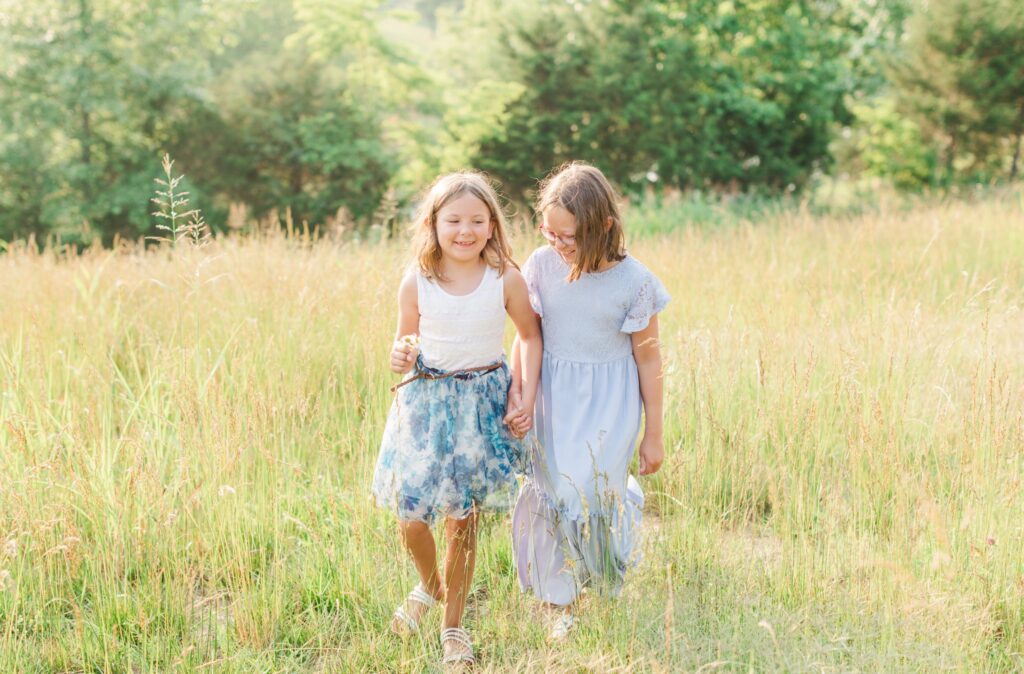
(276, 103)
(298, 140)
(962, 76)
(890, 145)
(88, 95)
(681, 94)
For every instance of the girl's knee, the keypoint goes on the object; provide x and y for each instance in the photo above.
(413, 527)
(463, 529)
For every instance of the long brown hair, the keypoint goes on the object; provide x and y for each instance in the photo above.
(497, 253)
(583, 191)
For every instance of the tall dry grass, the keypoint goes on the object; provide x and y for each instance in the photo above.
(186, 442)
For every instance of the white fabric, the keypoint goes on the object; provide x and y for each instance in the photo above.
(458, 332)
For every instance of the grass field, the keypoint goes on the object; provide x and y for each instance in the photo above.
(187, 438)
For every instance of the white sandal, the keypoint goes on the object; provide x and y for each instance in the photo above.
(420, 596)
(461, 637)
(560, 630)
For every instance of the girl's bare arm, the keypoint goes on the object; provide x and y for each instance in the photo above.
(403, 356)
(647, 353)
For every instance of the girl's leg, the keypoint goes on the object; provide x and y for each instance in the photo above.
(419, 541)
(458, 566)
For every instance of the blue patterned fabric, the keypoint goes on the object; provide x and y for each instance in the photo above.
(446, 449)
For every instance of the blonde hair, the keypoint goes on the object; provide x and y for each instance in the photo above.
(497, 253)
(583, 191)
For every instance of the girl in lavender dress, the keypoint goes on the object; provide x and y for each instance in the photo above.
(577, 519)
(446, 453)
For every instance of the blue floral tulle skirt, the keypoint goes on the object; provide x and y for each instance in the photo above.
(446, 450)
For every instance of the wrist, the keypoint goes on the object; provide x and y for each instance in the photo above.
(653, 434)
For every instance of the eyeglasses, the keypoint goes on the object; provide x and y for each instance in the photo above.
(567, 241)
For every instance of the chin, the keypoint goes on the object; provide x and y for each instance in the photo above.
(464, 253)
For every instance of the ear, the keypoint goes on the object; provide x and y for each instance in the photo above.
(490, 232)
(608, 224)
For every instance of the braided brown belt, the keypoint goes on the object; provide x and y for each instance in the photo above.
(483, 369)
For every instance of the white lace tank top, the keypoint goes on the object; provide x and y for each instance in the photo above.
(458, 332)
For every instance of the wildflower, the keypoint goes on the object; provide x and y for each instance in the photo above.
(225, 489)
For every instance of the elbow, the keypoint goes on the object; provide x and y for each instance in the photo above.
(648, 359)
(530, 337)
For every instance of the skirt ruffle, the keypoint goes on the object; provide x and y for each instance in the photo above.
(558, 554)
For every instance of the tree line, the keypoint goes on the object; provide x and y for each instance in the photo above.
(328, 110)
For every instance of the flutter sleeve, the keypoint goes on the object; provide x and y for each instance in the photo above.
(650, 298)
(531, 272)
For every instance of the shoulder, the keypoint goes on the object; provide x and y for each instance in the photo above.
(539, 259)
(635, 270)
(512, 278)
(407, 289)
(542, 254)
(647, 290)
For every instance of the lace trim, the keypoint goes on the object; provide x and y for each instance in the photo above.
(650, 299)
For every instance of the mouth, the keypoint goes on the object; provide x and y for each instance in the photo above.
(465, 244)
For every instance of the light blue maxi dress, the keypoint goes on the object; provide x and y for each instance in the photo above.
(576, 521)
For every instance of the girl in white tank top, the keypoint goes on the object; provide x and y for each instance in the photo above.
(461, 331)
(446, 453)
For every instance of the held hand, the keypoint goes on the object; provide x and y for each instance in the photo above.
(522, 424)
(652, 453)
(517, 418)
(403, 357)
(513, 407)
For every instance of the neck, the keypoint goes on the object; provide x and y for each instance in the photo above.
(451, 267)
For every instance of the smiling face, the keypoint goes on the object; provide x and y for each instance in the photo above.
(581, 218)
(559, 228)
(464, 226)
